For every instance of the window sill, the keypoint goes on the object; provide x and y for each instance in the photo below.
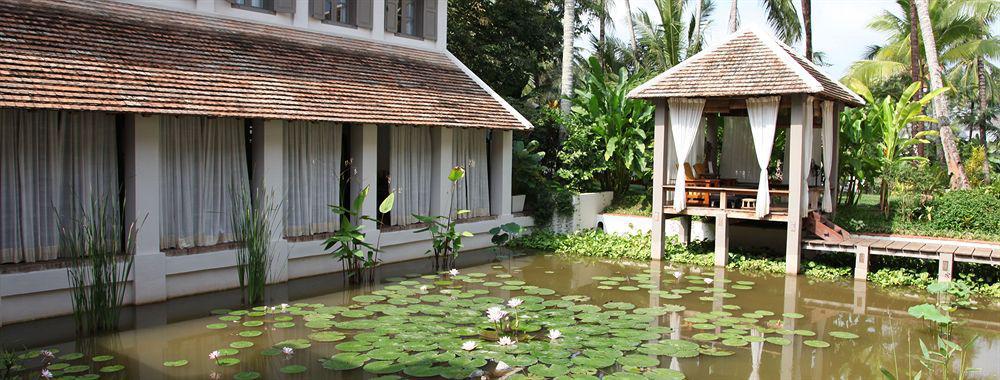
(410, 36)
(173, 252)
(340, 24)
(254, 9)
(307, 238)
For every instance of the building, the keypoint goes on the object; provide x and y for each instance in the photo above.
(759, 85)
(170, 105)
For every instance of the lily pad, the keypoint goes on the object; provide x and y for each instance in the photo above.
(346, 361)
(102, 358)
(293, 369)
(843, 335)
(247, 375)
(112, 368)
(816, 343)
(175, 363)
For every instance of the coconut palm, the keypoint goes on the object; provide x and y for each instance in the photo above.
(941, 111)
(566, 87)
(807, 28)
(781, 15)
(663, 45)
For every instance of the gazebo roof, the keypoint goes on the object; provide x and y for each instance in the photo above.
(747, 63)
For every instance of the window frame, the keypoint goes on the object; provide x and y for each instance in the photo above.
(267, 7)
(417, 17)
(352, 16)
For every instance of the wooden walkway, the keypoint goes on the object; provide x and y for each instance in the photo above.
(946, 252)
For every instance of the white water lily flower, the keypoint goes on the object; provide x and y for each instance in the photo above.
(505, 341)
(708, 280)
(423, 288)
(554, 334)
(287, 350)
(214, 355)
(514, 302)
(495, 314)
(453, 272)
(469, 345)
(46, 374)
(284, 306)
(501, 366)
(47, 354)
(678, 274)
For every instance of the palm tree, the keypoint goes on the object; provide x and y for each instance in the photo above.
(807, 28)
(953, 160)
(781, 15)
(631, 25)
(566, 88)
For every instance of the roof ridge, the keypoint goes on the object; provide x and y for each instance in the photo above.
(778, 48)
(642, 87)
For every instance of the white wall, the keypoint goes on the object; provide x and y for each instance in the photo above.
(158, 276)
(302, 20)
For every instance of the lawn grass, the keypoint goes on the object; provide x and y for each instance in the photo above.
(866, 218)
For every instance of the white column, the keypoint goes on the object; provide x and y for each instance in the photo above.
(378, 19)
(141, 147)
(364, 148)
(501, 169)
(442, 24)
(442, 139)
(796, 140)
(300, 18)
(721, 240)
(661, 142)
(268, 155)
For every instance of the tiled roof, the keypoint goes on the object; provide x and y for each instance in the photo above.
(748, 63)
(111, 56)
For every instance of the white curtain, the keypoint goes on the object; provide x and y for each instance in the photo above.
(203, 163)
(685, 118)
(763, 115)
(470, 152)
(828, 147)
(807, 154)
(697, 153)
(738, 158)
(52, 165)
(410, 173)
(312, 177)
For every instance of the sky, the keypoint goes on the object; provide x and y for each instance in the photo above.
(840, 27)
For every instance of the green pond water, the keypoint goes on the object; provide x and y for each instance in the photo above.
(616, 320)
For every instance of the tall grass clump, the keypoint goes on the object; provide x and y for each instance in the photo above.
(253, 219)
(101, 252)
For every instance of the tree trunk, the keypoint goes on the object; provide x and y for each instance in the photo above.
(696, 39)
(941, 111)
(566, 86)
(807, 27)
(915, 68)
(734, 18)
(631, 27)
(984, 102)
(602, 28)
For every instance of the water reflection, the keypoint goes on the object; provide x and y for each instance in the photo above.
(176, 329)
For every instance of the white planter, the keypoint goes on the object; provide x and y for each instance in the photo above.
(517, 203)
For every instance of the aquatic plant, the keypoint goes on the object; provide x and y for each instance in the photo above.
(446, 241)
(101, 252)
(253, 219)
(350, 242)
(504, 234)
(8, 361)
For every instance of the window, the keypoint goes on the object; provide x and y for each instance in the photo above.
(410, 15)
(341, 11)
(267, 5)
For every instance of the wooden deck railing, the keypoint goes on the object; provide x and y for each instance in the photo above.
(724, 194)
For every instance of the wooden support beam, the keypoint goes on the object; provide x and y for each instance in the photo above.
(661, 144)
(796, 140)
(721, 240)
(861, 261)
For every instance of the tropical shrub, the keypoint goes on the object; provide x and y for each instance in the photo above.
(972, 210)
(543, 196)
(350, 244)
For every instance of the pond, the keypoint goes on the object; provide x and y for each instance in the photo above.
(615, 320)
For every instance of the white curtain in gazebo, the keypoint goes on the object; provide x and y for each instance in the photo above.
(738, 159)
(685, 117)
(763, 114)
(807, 154)
(827, 155)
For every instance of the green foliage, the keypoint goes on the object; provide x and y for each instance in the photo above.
(446, 240)
(975, 210)
(8, 361)
(349, 243)
(253, 221)
(900, 277)
(503, 234)
(590, 243)
(619, 126)
(543, 196)
(914, 214)
(639, 204)
(554, 200)
(101, 251)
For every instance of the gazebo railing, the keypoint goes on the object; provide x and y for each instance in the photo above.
(702, 196)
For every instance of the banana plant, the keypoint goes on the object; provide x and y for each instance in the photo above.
(350, 242)
(446, 240)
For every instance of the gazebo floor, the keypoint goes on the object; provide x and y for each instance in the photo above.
(778, 213)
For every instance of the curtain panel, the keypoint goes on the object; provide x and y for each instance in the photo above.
(738, 159)
(312, 176)
(828, 147)
(807, 154)
(410, 173)
(685, 118)
(471, 152)
(763, 115)
(203, 164)
(52, 165)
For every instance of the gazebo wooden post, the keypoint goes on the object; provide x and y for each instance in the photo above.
(838, 107)
(661, 143)
(796, 139)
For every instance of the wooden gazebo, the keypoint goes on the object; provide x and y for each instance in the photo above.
(753, 77)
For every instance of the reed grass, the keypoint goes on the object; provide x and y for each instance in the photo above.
(253, 219)
(101, 253)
